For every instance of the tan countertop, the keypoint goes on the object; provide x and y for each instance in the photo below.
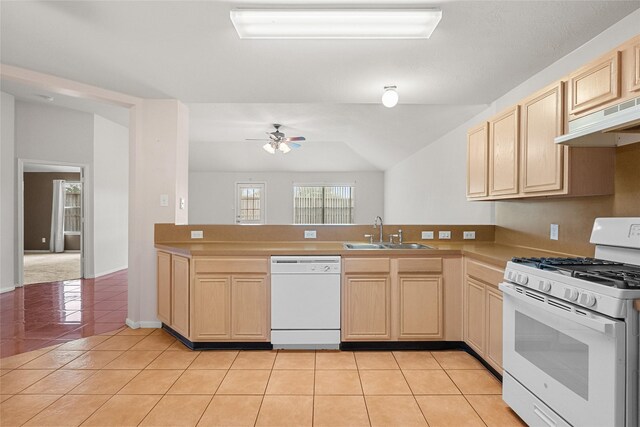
(489, 252)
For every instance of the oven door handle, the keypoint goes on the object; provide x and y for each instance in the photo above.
(599, 324)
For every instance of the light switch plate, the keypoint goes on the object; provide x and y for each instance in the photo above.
(553, 232)
(427, 235)
(444, 235)
(469, 235)
(197, 234)
(309, 234)
(164, 200)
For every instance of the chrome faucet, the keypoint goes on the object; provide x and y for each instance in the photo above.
(375, 225)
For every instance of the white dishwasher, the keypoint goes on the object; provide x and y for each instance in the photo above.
(305, 301)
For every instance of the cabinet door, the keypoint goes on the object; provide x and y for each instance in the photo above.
(542, 158)
(635, 81)
(420, 311)
(503, 153)
(164, 287)
(595, 84)
(494, 327)
(180, 294)
(249, 308)
(366, 302)
(474, 312)
(212, 307)
(477, 161)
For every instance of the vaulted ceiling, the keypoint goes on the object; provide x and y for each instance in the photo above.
(326, 90)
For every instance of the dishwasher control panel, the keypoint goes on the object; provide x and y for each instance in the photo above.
(305, 265)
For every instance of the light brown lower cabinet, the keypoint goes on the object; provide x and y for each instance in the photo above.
(420, 307)
(230, 308)
(250, 308)
(482, 311)
(367, 307)
(180, 294)
(392, 299)
(173, 291)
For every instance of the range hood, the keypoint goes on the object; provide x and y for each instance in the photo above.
(611, 127)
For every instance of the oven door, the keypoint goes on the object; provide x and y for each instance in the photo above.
(570, 358)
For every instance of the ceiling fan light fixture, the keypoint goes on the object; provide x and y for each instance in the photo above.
(390, 96)
(284, 147)
(269, 148)
(335, 23)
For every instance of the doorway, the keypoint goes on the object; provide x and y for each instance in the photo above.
(52, 222)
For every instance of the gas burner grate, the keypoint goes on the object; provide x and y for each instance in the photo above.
(603, 272)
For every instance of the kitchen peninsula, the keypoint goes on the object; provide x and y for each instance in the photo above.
(215, 292)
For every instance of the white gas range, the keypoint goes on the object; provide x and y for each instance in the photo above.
(571, 333)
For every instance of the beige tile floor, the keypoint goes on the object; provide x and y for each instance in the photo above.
(145, 377)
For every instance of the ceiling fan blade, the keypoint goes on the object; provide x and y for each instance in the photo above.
(294, 145)
(256, 139)
(295, 138)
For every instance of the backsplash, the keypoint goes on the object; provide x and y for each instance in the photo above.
(165, 233)
(526, 222)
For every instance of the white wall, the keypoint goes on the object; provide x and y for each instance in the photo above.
(212, 194)
(110, 196)
(430, 186)
(8, 278)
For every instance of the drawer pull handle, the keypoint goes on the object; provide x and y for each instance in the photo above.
(544, 417)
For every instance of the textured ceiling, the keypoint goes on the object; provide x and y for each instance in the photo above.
(189, 50)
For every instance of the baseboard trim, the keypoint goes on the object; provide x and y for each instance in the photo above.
(144, 324)
(107, 272)
(3, 290)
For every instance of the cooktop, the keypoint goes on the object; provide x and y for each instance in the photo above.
(606, 273)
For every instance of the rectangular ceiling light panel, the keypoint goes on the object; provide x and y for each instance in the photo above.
(335, 23)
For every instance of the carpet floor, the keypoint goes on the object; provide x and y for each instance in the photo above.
(49, 267)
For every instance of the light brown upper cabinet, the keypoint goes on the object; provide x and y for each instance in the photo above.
(543, 161)
(594, 85)
(631, 68)
(477, 161)
(504, 138)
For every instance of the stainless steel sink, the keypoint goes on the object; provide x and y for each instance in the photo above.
(406, 246)
(361, 246)
(374, 246)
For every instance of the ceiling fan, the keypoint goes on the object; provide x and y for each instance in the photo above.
(279, 142)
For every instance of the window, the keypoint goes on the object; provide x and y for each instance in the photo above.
(323, 204)
(72, 207)
(250, 203)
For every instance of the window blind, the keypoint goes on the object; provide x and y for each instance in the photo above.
(314, 204)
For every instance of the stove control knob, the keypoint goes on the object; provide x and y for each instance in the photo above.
(544, 285)
(571, 294)
(587, 299)
(523, 279)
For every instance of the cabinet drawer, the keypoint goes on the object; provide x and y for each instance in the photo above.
(365, 265)
(484, 272)
(231, 265)
(419, 265)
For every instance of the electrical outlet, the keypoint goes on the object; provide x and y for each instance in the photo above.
(553, 232)
(182, 204)
(197, 234)
(427, 235)
(309, 234)
(469, 235)
(444, 235)
(44, 240)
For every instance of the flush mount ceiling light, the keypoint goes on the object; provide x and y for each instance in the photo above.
(389, 96)
(335, 23)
